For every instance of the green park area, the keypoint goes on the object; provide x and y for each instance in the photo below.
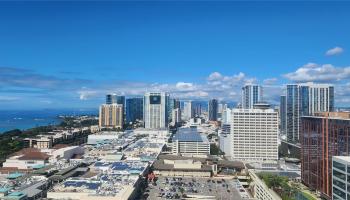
(286, 189)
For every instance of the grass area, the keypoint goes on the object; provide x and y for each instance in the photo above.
(279, 184)
(308, 196)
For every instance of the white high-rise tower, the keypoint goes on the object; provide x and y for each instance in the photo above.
(156, 108)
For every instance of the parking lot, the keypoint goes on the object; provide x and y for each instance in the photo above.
(175, 188)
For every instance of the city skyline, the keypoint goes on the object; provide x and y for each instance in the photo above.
(70, 54)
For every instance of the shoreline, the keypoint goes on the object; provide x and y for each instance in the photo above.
(24, 120)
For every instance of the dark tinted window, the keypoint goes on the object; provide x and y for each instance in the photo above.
(339, 165)
(154, 99)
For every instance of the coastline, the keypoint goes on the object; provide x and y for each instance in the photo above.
(23, 120)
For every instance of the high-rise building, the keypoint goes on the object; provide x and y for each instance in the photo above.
(134, 109)
(196, 108)
(176, 116)
(121, 100)
(226, 116)
(111, 115)
(254, 134)
(111, 98)
(283, 115)
(251, 94)
(188, 112)
(177, 103)
(340, 180)
(323, 136)
(116, 99)
(225, 139)
(221, 107)
(213, 110)
(155, 114)
(303, 100)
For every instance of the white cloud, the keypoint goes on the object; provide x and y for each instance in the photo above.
(319, 73)
(85, 94)
(214, 76)
(184, 86)
(334, 51)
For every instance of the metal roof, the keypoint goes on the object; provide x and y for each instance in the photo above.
(188, 135)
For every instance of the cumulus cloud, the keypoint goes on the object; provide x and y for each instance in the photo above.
(46, 89)
(214, 76)
(334, 51)
(217, 79)
(184, 86)
(319, 73)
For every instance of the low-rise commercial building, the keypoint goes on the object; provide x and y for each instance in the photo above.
(32, 158)
(183, 168)
(188, 142)
(26, 159)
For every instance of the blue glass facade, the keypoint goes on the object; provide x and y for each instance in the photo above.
(134, 109)
(213, 110)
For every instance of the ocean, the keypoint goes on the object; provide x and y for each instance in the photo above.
(16, 119)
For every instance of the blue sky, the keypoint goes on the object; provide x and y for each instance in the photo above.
(69, 54)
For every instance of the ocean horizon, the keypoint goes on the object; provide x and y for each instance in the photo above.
(25, 119)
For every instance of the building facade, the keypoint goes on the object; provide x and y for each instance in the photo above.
(111, 98)
(115, 99)
(134, 109)
(213, 110)
(176, 116)
(283, 115)
(188, 142)
(155, 114)
(251, 94)
(254, 134)
(340, 179)
(305, 100)
(323, 136)
(226, 116)
(111, 116)
(177, 103)
(188, 112)
(196, 108)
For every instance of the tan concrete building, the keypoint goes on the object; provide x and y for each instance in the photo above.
(111, 115)
(44, 142)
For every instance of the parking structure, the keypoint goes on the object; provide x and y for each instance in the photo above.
(176, 187)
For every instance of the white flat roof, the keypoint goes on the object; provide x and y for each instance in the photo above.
(343, 158)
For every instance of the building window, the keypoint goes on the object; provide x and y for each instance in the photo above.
(339, 192)
(339, 175)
